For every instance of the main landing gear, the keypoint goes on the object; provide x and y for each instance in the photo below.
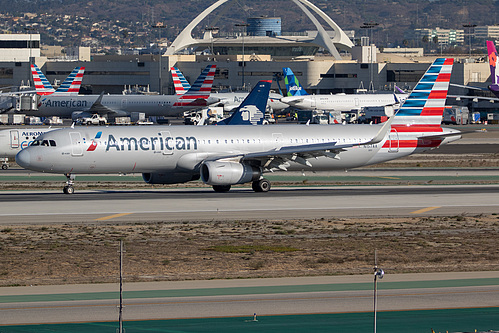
(261, 185)
(69, 189)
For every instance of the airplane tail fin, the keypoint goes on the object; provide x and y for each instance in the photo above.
(494, 66)
(71, 86)
(293, 86)
(252, 109)
(200, 90)
(425, 104)
(42, 85)
(179, 82)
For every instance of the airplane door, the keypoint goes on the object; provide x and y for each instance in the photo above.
(393, 141)
(169, 143)
(14, 139)
(124, 104)
(356, 101)
(313, 102)
(76, 148)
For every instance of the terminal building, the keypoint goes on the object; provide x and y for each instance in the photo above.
(325, 61)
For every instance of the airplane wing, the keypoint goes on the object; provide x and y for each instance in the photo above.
(469, 87)
(474, 98)
(100, 109)
(278, 158)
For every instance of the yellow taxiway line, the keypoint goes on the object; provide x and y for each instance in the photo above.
(424, 210)
(112, 216)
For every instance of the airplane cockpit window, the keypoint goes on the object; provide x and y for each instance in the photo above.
(35, 143)
(52, 143)
(45, 143)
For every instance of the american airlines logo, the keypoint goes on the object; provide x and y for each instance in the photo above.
(159, 142)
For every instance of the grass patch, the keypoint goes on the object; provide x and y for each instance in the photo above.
(250, 248)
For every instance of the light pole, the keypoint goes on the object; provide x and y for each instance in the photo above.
(30, 29)
(243, 33)
(378, 272)
(159, 26)
(469, 26)
(212, 30)
(370, 26)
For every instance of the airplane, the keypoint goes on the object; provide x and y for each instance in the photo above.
(297, 97)
(74, 107)
(70, 86)
(230, 155)
(13, 140)
(493, 58)
(228, 100)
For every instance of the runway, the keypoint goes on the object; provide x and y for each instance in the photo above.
(226, 298)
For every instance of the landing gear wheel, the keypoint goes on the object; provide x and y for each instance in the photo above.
(68, 189)
(221, 188)
(5, 166)
(262, 185)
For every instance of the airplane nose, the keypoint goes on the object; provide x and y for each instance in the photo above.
(23, 158)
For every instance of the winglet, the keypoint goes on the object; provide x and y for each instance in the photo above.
(387, 125)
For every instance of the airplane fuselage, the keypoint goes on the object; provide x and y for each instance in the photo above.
(118, 105)
(234, 99)
(342, 102)
(172, 149)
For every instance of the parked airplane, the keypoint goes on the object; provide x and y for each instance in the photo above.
(229, 155)
(228, 100)
(493, 58)
(13, 140)
(297, 97)
(122, 105)
(70, 86)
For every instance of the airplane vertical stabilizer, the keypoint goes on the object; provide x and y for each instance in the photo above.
(425, 104)
(72, 84)
(200, 90)
(494, 67)
(179, 81)
(42, 85)
(252, 109)
(293, 86)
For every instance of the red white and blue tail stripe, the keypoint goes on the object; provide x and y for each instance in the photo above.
(42, 85)
(72, 84)
(425, 105)
(179, 82)
(200, 90)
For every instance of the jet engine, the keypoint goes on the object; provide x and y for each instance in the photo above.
(168, 178)
(228, 173)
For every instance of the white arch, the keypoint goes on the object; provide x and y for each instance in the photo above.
(184, 39)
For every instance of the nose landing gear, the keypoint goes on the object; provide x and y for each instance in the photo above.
(69, 189)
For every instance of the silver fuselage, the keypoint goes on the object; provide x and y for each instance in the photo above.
(340, 102)
(117, 105)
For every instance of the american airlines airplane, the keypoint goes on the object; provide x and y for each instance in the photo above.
(223, 156)
(62, 105)
(299, 98)
(228, 100)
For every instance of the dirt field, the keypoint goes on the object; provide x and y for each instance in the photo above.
(240, 249)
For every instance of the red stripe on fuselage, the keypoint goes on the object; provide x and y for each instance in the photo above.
(417, 128)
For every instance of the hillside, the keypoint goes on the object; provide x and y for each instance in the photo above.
(394, 17)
